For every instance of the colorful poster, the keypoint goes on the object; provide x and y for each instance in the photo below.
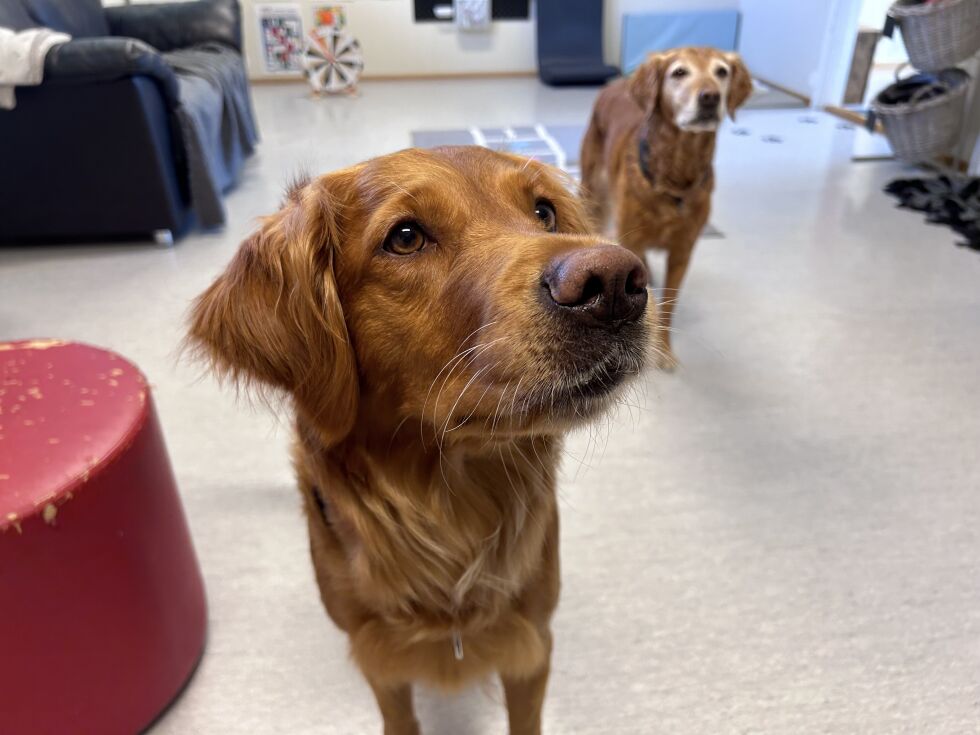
(330, 16)
(281, 36)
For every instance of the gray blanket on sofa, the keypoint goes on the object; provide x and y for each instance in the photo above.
(218, 130)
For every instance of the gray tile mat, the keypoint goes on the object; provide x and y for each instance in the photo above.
(558, 145)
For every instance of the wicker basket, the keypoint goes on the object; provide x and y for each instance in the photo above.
(938, 34)
(922, 129)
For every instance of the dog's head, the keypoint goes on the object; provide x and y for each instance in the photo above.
(692, 87)
(459, 290)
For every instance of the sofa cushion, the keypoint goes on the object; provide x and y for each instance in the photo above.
(79, 18)
(169, 26)
(14, 15)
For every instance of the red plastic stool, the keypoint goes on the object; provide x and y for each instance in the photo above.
(102, 610)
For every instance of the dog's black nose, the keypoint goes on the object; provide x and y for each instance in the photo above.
(604, 284)
(709, 99)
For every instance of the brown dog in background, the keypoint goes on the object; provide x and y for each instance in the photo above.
(647, 172)
(440, 320)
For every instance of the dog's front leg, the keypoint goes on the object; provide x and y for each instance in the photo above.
(525, 698)
(396, 708)
(677, 262)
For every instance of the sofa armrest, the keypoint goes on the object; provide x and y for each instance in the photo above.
(168, 26)
(90, 161)
(105, 59)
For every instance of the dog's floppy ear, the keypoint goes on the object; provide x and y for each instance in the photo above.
(646, 80)
(274, 316)
(741, 84)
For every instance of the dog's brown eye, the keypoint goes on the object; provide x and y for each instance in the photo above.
(405, 238)
(721, 72)
(545, 211)
(679, 72)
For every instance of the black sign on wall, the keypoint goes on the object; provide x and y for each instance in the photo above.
(500, 9)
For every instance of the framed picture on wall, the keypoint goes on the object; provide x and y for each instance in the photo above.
(425, 10)
(281, 37)
(330, 16)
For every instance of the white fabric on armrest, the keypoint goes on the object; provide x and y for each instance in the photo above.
(22, 59)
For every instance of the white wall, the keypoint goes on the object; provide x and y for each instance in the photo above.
(395, 45)
(782, 40)
(615, 9)
(968, 149)
(889, 50)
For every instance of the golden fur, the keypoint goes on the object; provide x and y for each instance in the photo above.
(660, 106)
(431, 393)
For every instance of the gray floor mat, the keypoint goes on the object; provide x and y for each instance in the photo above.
(526, 140)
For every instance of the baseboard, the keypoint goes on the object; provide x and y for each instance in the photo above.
(852, 117)
(785, 90)
(286, 79)
(453, 75)
(955, 164)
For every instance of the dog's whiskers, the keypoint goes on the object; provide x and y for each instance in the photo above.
(454, 362)
(449, 416)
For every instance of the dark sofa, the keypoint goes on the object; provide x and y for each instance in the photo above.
(111, 144)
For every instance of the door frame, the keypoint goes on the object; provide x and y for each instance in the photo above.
(836, 54)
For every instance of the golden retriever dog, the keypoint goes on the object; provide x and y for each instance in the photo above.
(647, 172)
(440, 319)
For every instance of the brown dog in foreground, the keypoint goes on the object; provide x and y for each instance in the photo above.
(440, 320)
(647, 172)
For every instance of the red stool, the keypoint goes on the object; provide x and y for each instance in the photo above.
(102, 610)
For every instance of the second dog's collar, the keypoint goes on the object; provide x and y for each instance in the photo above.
(643, 160)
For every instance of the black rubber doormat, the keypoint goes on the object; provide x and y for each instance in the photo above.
(954, 202)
